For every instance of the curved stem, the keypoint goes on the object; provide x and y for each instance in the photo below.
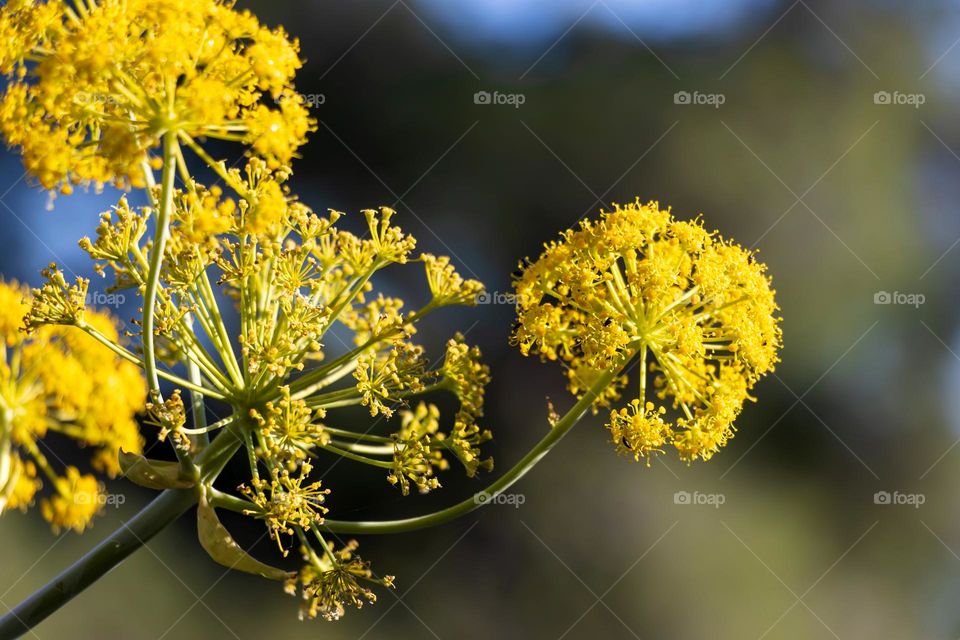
(156, 259)
(231, 502)
(165, 509)
(219, 424)
(355, 457)
(170, 504)
(217, 167)
(369, 449)
(161, 512)
(481, 498)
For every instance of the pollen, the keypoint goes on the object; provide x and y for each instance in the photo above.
(197, 68)
(695, 312)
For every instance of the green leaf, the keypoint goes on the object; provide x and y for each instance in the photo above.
(153, 474)
(220, 545)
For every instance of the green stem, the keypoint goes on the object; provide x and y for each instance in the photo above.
(343, 433)
(217, 167)
(230, 502)
(198, 406)
(170, 504)
(152, 519)
(481, 498)
(156, 259)
(164, 510)
(369, 449)
(355, 457)
(219, 424)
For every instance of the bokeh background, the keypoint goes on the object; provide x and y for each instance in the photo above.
(784, 144)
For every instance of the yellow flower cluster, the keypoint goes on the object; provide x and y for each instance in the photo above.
(293, 276)
(695, 311)
(334, 580)
(246, 291)
(58, 380)
(415, 457)
(247, 295)
(285, 501)
(93, 86)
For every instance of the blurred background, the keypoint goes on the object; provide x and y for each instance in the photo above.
(824, 134)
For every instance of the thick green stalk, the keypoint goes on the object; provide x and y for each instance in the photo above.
(488, 495)
(152, 519)
(166, 508)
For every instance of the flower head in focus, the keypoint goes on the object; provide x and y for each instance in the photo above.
(695, 311)
(335, 579)
(56, 379)
(250, 299)
(92, 87)
(290, 277)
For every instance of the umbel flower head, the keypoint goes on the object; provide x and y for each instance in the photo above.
(92, 86)
(59, 380)
(290, 277)
(695, 311)
(252, 300)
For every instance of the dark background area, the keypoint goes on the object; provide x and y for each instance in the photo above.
(843, 195)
